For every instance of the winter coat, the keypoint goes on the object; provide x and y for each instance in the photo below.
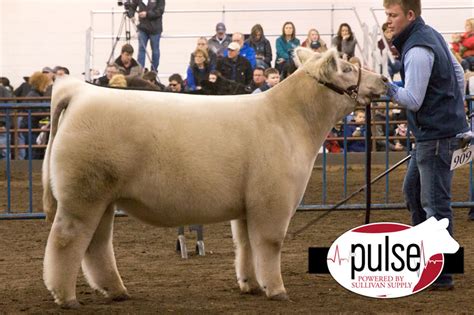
(153, 22)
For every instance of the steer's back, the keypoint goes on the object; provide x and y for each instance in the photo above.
(182, 157)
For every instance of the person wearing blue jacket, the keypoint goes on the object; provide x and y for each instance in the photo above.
(199, 70)
(356, 130)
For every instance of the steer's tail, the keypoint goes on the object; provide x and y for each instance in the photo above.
(63, 91)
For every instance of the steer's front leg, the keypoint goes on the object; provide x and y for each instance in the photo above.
(266, 239)
(244, 265)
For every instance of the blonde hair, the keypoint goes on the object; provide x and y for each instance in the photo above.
(471, 21)
(202, 52)
(39, 81)
(118, 80)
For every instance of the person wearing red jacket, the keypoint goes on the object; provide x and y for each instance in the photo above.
(463, 45)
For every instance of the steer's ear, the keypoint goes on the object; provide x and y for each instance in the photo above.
(327, 65)
(302, 55)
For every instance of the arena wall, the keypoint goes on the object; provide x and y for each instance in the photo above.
(38, 33)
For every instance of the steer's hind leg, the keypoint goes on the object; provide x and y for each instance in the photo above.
(243, 258)
(68, 239)
(266, 239)
(99, 264)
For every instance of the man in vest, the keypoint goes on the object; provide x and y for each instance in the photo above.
(432, 93)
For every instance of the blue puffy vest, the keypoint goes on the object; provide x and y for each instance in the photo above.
(442, 113)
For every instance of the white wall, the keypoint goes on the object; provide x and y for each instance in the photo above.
(38, 33)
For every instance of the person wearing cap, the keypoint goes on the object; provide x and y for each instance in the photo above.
(51, 76)
(245, 49)
(149, 28)
(125, 62)
(219, 42)
(235, 67)
(60, 71)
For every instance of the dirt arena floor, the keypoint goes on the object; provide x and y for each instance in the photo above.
(159, 281)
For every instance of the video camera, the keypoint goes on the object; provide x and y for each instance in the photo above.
(126, 6)
(125, 3)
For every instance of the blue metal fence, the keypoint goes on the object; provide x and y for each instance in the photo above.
(11, 111)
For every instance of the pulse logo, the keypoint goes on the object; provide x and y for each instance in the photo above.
(390, 260)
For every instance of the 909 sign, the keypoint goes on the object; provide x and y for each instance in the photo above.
(461, 157)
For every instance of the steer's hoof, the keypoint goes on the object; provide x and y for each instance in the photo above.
(253, 291)
(120, 297)
(70, 305)
(280, 297)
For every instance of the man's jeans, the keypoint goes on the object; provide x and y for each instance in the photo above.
(154, 39)
(427, 185)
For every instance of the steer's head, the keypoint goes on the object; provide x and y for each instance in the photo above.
(341, 76)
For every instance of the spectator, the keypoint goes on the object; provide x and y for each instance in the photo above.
(463, 46)
(381, 131)
(4, 92)
(125, 62)
(356, 130)
(335, 146)
(111, 70)
(202, 44)
(149, 28)
(175, 83)
(258, 79)
(272, 78)
(199, 70)
(285, 44)
(395, 66)
(5, 82)
(118, 80)
(235, 67)
(39, 82)
(219, 42)
(151, 76)
(138, 83)
(245, 50)
(50, 73)
(345, 41)
(401, 131)
(60, 71)
(218, 85)
(314, 41)
(213, 76)
(23, 89)
(261, 46)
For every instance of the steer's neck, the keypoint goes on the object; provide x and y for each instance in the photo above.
(308, 106)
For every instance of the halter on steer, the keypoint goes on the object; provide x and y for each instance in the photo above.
(352, 91)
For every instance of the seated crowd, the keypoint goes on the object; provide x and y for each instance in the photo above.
(229, 64)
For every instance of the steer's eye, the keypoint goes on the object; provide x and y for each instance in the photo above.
(347, 69)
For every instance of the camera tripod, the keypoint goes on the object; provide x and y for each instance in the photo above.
(126, 23)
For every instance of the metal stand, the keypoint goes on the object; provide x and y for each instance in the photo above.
(181, 242)
(126, 23)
